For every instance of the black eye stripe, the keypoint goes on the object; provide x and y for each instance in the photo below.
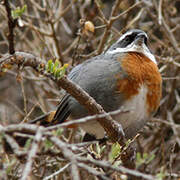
(127, 40)
(131, 37)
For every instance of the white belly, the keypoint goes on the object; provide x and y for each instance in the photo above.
(131, 122)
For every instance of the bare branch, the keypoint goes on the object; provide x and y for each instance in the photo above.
(69, 155)
(57, 172)
(170, 118)
(88, 118)
(113, 129)
(32, 153)
(108, 25)
(11, 24)
(120, 169)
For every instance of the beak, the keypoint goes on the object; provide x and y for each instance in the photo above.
(141, 39)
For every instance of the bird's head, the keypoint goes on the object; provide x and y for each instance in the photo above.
(134, 40)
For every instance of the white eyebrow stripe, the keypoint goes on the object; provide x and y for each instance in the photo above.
(127, 34)
(124, 35)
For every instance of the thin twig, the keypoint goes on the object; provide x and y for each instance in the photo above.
(14, 146)
(170, 118)
(11, 24)
(114, 130)
(167, 29)
(57, 44)
(62, 11)
(32, 153)
(36, 29)
(24, 96)
(88, 118)
(126, 11)
(108, 24)
(93, 171)
(160, 12)
(57, 172)
(100, 12)
(69, 155)
(120, 169)
(170, 36)
(28, 114)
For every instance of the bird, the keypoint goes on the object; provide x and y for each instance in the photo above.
(125, 75)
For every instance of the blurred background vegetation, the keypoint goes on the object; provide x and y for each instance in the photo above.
(73, 31)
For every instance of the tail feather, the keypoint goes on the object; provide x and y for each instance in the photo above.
(63, 111)
(54, 117)
(44, 120)
(48, 119)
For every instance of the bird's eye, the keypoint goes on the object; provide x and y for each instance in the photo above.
(129, 39)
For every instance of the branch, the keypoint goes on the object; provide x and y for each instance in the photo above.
(170, 118)
(170, 36)
(112, 128)
(32, 153)
(11, 25)
(57, 172)
(120, 169)
(164, 25)
(56, 43)
(88, 118)
(69, 155)
(108, 23)
(75, 160)
(127, 10)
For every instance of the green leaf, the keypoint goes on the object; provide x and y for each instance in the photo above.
(150, 158)
(28, 143)
(48, 144)
(60, 72)
(144, 159)
(56, 64)
(10, 166)
(58, 132)
(139, 159)
(161, 175)
(98, 148)
(145, 155)
(18, 12)
(115, 151)
(4, 70)
(49, 66)
(55, 69)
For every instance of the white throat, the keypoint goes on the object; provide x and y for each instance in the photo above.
(134, 48)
